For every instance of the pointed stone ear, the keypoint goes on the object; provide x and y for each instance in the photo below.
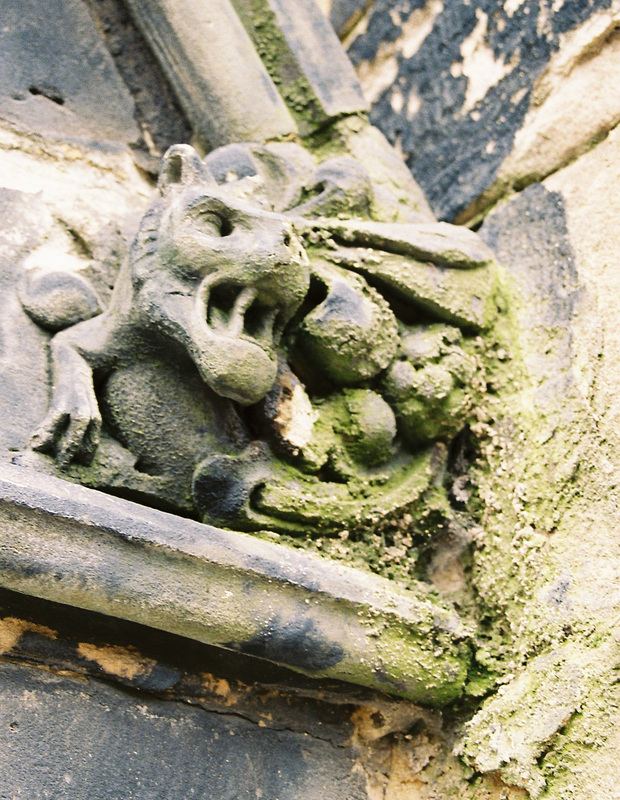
(180, 166)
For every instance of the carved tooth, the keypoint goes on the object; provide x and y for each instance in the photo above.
(243, 302)
(267, 331)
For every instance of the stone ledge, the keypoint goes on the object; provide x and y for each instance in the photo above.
(76, 546)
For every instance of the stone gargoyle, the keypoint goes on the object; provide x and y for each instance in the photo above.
(272, 358)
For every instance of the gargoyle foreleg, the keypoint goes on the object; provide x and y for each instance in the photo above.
(71, 427)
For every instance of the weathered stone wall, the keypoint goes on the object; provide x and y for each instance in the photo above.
(484, 98)
(507, 115)
(96, 708)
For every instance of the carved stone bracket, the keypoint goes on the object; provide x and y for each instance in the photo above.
(290, 346)
(251, 70)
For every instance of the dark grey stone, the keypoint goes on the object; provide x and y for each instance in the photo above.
(156, 106)
(530, 238)
(445, 149)
(303, 643)
(345, 13)
(67, 738)
(57, 78)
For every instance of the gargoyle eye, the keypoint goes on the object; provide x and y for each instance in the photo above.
(214, 224)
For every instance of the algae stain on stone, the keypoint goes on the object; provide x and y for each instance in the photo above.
(262, 26)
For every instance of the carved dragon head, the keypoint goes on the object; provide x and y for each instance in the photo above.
(221, 273)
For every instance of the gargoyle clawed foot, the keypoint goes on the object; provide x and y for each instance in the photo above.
(71, 428)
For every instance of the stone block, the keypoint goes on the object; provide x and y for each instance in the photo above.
(58, 79)
(591, 195)
(305, 60)
(217, 75)
(559, 241)
(76, 546)
(66, 737)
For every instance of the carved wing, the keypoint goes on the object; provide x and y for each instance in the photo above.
(443, 268)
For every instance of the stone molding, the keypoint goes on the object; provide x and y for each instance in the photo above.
(77, 546)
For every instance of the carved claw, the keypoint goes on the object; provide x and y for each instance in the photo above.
(72, 426)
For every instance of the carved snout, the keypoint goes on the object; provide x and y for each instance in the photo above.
(242, 316)
(222, 486)
(243, 272)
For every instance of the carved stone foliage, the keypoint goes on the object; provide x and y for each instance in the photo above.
(271, 358)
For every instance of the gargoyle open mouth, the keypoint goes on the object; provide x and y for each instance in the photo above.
(241, 327)
(240, 312)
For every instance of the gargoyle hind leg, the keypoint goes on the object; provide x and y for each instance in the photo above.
(70, 430)
(222, 486)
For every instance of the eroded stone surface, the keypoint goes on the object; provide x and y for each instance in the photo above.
(58, 79)
(101, 743)
(305, 60)
(23, 358)
(590, 194)
(197, 47)
(75, 546)
(558, 445)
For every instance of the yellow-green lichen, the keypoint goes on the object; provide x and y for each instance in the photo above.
(262, 25)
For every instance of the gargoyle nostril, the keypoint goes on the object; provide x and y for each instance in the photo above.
(286, 239)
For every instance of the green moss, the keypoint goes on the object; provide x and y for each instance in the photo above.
(360, 502)
(435, 384)
(436, 662)
(353, 336)
(272, 47)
